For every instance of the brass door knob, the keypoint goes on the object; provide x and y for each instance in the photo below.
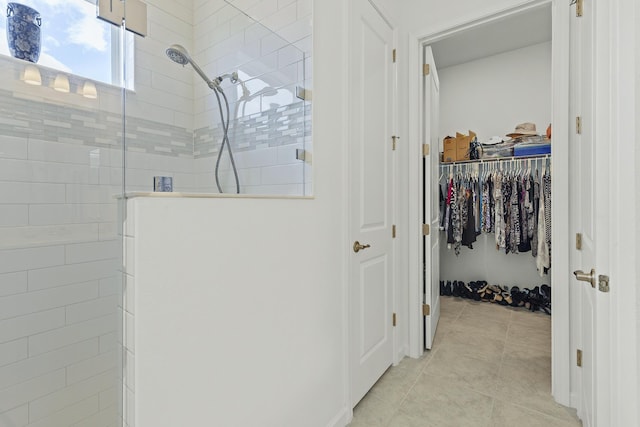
(586, 277)
(357, 247)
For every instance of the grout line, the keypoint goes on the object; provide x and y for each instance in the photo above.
(493, 406)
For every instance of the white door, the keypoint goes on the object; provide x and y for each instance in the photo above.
(370, 195)
(431, 200)
(589, 215)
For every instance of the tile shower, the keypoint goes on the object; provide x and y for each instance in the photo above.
(268, 121)
(66, 304)
(60, 254)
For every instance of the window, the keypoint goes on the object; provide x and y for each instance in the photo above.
(74, 40)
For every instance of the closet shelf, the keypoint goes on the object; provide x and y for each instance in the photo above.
(497, 159)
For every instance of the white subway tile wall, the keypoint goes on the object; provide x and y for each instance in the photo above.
(66, 317)
(222, 39)
(265, 112)
(59, 254)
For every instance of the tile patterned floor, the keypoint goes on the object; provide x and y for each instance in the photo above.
(490, 366)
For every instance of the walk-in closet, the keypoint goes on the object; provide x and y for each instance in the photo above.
(493, 200)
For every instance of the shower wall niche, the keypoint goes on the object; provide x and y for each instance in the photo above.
(180, 134)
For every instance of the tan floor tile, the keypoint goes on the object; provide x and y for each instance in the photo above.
(464, 371)
(538, 318)
(530, 388)
(529, 377)
(401, 419)
(447, 316)
(537, 358)
(372, 411)
(439, 402)
(411, 364)
(472, 344)
(442, 330)
(508, 415)
(394, 385)
(490, 365)
(451, 306)
(530, 336)
(478, 323)
(487, 310)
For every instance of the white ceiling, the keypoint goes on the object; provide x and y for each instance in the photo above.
(514, 32)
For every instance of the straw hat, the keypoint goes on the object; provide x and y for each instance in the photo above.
(524, 129)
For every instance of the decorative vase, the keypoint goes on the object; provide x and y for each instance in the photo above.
(23, 32)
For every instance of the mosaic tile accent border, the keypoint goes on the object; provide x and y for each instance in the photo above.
(285, 125)
(58, 123)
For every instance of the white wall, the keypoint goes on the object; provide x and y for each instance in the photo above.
(491, 96)
(637, 162)
(231, 326)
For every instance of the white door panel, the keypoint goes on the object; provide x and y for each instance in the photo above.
(373, 299)
(431, 200)
(370, 195)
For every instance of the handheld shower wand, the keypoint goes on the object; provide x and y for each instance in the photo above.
(180, 55)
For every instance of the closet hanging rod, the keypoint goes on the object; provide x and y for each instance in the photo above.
(498, 159)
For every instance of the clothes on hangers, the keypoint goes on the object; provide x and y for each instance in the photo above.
(513, 204)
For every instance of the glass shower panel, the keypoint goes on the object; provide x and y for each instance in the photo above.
(253, 83)
(60, 245)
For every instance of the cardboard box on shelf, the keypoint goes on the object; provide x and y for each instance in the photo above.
(457, 149)
(463, 143)
(450, 150)
(449, 142)
(449, 156)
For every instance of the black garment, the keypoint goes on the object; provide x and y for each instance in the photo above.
(525, 243)
(469, 230)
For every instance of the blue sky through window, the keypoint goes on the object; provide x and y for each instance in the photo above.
(73, 39)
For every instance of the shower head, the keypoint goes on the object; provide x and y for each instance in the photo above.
(180, 55)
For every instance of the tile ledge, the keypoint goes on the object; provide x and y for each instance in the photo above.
(176, 195)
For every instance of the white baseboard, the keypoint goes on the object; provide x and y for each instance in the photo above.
(400, 354)
(343, 418)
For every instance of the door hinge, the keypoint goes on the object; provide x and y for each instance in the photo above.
(426, 309)
(603, 283)
(395, 141)
(393, 231)
(394, 319)
(425, 150)
(579, 358)
(394, 55)
(579, 241)
(578, 125)
(425, 229)
(426, 69)
(579, 7)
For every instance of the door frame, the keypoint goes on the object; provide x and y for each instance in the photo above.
(561, 352)
(615, 33)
